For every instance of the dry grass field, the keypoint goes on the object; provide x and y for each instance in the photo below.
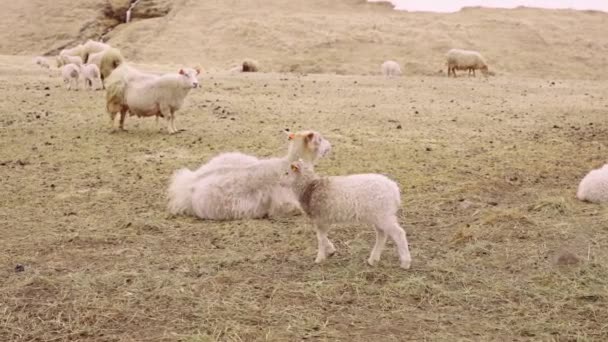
(501, 248)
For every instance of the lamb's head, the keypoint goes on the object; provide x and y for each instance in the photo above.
(190, 76)
(484, 70)
(308, 145)
(298, 175)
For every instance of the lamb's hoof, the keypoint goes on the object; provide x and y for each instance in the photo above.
(319, 259)
(372, 262)
(406, 264)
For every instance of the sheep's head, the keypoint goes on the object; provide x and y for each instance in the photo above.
(484, 70)
(299, 173)
(191, 76)
(308, 145)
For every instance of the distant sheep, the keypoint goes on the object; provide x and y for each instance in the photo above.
(148, 95)
(390, 69)
(465, 60)
(594, 186)
(70, 74)
(250, 65)
(366, 198)
(90, 75)
(67, 59)
(110, 60)
(77, 51)
(235, 186)
(91, 47)
(42, 62)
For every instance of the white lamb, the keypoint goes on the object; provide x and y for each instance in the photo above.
(594, 186)
(42, 62)
(71, 75)
(368, 198)
(237, 186)
(458, 59)
(390, 69)
(90, 75)
(143, 95)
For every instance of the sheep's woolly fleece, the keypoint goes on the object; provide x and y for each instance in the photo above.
(594, 186)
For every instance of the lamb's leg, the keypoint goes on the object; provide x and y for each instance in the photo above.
(112, 120)
(392, 228)
(325, 247)
(378, 247)
(123, 115)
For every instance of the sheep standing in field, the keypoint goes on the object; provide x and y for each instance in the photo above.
(594, 186)
(367, 198)
(90, 75)
(390, 69)
(70, 74)
(110, 60)
(235, 186)
(42, 62)
(465, 60)
(151, 95)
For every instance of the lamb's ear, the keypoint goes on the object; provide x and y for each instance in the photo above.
(290, 136)
(181, 72)
(198, 70)
(295, 167)
(310, 136)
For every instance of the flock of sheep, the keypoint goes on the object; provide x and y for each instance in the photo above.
(234, 186)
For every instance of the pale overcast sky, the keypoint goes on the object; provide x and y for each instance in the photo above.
(455, 5)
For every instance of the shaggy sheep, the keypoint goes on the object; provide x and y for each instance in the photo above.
(390, 69)
(148, 95)
(71, 75)
(465, 60)
(237, 186)
(90, 74)
(594, 186)
(249, 65)
(41, 61)
(111, 59)
(367, 198)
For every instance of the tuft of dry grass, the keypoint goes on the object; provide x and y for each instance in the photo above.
(488, 188)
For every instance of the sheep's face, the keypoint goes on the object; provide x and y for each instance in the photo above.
(308, 145)
(190, 76)
(484, 70)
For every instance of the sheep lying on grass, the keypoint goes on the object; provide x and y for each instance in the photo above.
(594, 186)
(148, 95)
(90, 75)
(368, 198)
(70, 74)
(237, 186)
(391, 69)
(465, 60)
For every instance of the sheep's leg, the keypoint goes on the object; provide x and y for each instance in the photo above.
(112, 120)
(378, 247)
(123, 115)
(392, 228)
(165, 111)
(325, 248)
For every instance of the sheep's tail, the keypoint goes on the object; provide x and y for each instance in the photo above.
(180, 191)
(115, 92)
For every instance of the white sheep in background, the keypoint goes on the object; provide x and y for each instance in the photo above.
(95, 58)
(67, 59)
(77, 51)
(42, 62)
(237, 186)
(90, 75)
(91, 47)
(71, 75)
(458, 59)
(594, 186)
(367, 198)
(148, 95)
(390, 69)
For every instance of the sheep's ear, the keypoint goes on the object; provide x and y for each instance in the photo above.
(290, 136)
(295, 167)
(310, 136)
(181, 72)
(198, 70)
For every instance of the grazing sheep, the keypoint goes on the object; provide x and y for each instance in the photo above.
(91, 47)
(42, 62)
(235, 186)
(367, 198)
(95, 58)
(465, 60)
(71, 75)
(90, 74)
(111, 59)
(78, 51)
(390, 69)
(594, 186)
(250, 65)
(148, 95)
